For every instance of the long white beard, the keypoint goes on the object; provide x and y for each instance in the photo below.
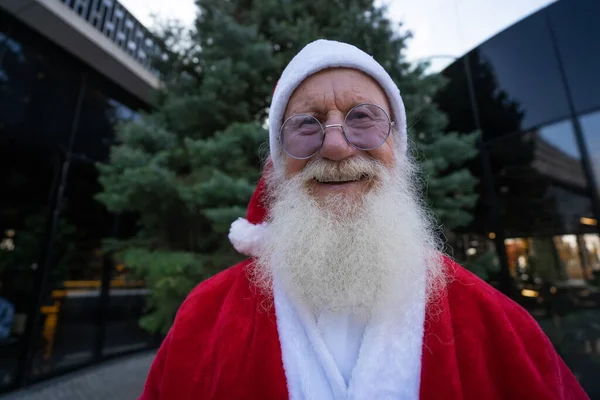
(350, 253)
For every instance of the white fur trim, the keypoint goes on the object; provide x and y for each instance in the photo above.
(389, 361)
(246, 237)
(320, 55)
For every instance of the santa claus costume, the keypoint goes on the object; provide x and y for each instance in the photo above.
(471, 342)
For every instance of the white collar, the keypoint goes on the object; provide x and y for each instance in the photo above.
(389, 360)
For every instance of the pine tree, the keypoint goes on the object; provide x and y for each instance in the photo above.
(188, 169)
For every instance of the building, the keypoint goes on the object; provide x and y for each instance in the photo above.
(69, 70)
(533, 90)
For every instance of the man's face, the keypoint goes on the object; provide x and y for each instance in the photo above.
(329, 95)
(350, 246)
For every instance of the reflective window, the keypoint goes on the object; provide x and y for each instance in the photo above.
(100, 113)
(477, 253)
(592, 254)
(590, 124)
(561, 137)
(499, 113)
(39, 87)
(540, 183)
(569, 257)
(533, 260)
(70, 310)
(127, 303)
(578, 34)
(26, 184)
(518, 69)
(560, 260)
(553, 285)
(454, 98)
(39, 84)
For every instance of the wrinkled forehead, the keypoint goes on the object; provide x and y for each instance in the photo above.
(336, 89)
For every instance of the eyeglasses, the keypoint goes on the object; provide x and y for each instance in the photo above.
(366, 127)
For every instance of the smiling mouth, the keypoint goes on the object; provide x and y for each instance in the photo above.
(340, 181)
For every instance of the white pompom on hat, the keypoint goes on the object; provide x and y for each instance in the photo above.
(247, 234)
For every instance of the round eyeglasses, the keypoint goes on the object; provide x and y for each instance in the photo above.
(366, 127)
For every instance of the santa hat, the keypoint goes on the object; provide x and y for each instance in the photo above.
(246, 235)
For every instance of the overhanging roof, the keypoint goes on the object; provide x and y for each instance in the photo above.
(97, 37)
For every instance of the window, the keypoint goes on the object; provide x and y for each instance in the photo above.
(102, 109)
(517, 72)
(591, 246)
(127, 303)
(39, 88)
(590, 125)
(69, 317)
(39, 85)
(577, 34)
(26, 185)
(568, 252)
(540, 182)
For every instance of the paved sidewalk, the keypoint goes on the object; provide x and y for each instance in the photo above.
(120, 379)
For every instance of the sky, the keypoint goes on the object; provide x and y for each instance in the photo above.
(440, 27)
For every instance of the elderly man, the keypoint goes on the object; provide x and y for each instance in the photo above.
(346, 294)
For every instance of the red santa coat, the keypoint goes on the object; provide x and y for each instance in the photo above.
(477, 344)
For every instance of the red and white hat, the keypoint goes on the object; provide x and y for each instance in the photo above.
(246, 234)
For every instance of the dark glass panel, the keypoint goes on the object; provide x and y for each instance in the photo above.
(540, 182)
(454, 99)
(477, 253)
(590, 125)
(552, 242)
(557, 278)
(39, 84)
(38, 89)
(577, 30)
(499, 112)
(71, 308)
(103, 107)
(523, 63)
(26, 184)
(516, 79)
(591, 255)
(127, 303)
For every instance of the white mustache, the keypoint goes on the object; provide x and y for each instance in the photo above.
(352, 169)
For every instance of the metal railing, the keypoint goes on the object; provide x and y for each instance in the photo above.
(113, 20)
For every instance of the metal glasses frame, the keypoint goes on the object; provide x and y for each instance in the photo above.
(341, 126)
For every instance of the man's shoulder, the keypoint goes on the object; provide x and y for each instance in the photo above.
(499, 345)
(478, 307)
(207, 299)
(465, 289)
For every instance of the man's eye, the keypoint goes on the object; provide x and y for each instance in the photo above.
(307, 121)
(360, 115)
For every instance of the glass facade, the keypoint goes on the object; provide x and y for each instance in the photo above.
(533, 84)
(590, 125)
(538, 99)
(63, 303)
(576, 29)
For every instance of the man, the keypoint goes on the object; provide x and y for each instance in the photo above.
(346, 294)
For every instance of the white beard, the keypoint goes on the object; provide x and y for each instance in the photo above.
(350, 253)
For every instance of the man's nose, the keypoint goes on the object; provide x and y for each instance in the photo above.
(335, 147)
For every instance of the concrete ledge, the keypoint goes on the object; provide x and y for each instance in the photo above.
(61, 25)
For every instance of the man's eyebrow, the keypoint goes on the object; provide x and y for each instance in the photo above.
(308, 107)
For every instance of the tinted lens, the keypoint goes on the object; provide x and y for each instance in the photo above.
(367, 126)
(301, 136)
